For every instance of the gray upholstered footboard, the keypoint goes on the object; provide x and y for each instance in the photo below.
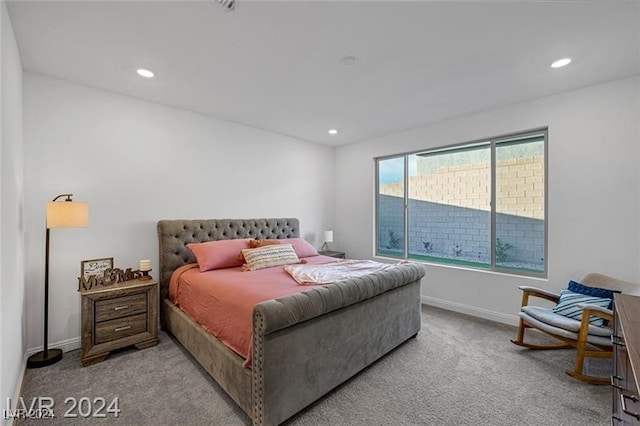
(307, 344)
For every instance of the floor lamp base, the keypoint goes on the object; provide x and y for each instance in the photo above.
(39, 359)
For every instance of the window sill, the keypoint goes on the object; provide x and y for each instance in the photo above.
(462, 268)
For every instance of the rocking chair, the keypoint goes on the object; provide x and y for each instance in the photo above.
(589, 340)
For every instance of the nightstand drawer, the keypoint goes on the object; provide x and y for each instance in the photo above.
(118, 328)
(121, 307)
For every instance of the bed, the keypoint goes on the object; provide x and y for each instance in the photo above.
(304, 344)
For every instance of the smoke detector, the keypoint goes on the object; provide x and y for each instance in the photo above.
(226, 5)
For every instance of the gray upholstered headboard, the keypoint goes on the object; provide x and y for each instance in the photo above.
(174, 235)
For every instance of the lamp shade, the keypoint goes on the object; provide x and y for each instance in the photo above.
(328, 236)
(67, 214)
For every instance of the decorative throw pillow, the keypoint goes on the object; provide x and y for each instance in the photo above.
(269, 256)
(262, 243)
(569, 301)
(302, 247)
(576, 287)
(259, 243)
(218, 254)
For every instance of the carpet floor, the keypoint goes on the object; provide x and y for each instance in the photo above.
(460, 370)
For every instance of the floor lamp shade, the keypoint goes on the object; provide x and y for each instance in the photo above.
(60, 214)
(67, 214)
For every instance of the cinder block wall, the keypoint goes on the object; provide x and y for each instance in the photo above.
(450, 209)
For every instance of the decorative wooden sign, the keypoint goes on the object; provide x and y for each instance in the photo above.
(110, 276)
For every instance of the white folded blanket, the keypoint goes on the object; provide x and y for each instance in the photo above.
(334, 271)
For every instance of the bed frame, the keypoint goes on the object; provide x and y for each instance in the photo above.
(305, 344)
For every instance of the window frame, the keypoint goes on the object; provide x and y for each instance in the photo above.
(493, 142)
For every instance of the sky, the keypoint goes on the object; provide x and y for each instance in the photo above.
(392, 170)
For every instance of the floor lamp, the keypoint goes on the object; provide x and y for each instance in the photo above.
(60, 214)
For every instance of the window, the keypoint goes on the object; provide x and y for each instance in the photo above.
(479, 204)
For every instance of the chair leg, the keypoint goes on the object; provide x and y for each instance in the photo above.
(581, 348)
(594, 380)
(519, 340)
(520, 336)
(521, 324)
(542, 347)
(582, 352)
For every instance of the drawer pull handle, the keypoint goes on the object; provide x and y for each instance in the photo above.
(122, 328)
(119, 308)
(613, 382)
(623, 405)
(617, 340)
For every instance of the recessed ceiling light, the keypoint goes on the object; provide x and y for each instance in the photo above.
(145, 73)
(348, 61)
(333, 132)
(561, 63)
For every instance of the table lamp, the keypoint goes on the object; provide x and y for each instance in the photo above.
(328, 238)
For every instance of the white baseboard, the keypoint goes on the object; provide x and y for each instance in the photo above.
(471, 310)
(66, 346)
(18, 390)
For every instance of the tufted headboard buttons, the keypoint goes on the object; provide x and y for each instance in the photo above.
(174, 235)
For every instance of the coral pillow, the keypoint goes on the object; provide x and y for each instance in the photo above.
(302, 247)
(262, 243)
(218, 254)
(269, 256)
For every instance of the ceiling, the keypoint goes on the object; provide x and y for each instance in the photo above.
(276, 65)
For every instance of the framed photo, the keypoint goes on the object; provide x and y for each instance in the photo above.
(95, 266)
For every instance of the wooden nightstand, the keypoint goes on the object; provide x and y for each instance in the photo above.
(117, 316)
(330, 253)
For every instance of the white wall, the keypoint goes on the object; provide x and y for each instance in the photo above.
(136, 162)
(12, 284)
(593, 207)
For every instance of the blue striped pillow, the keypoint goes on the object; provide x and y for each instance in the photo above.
(568, 306)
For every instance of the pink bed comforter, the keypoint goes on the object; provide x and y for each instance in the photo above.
(222, 300)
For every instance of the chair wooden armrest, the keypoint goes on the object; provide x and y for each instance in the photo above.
(537, 292)
(595, 311)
